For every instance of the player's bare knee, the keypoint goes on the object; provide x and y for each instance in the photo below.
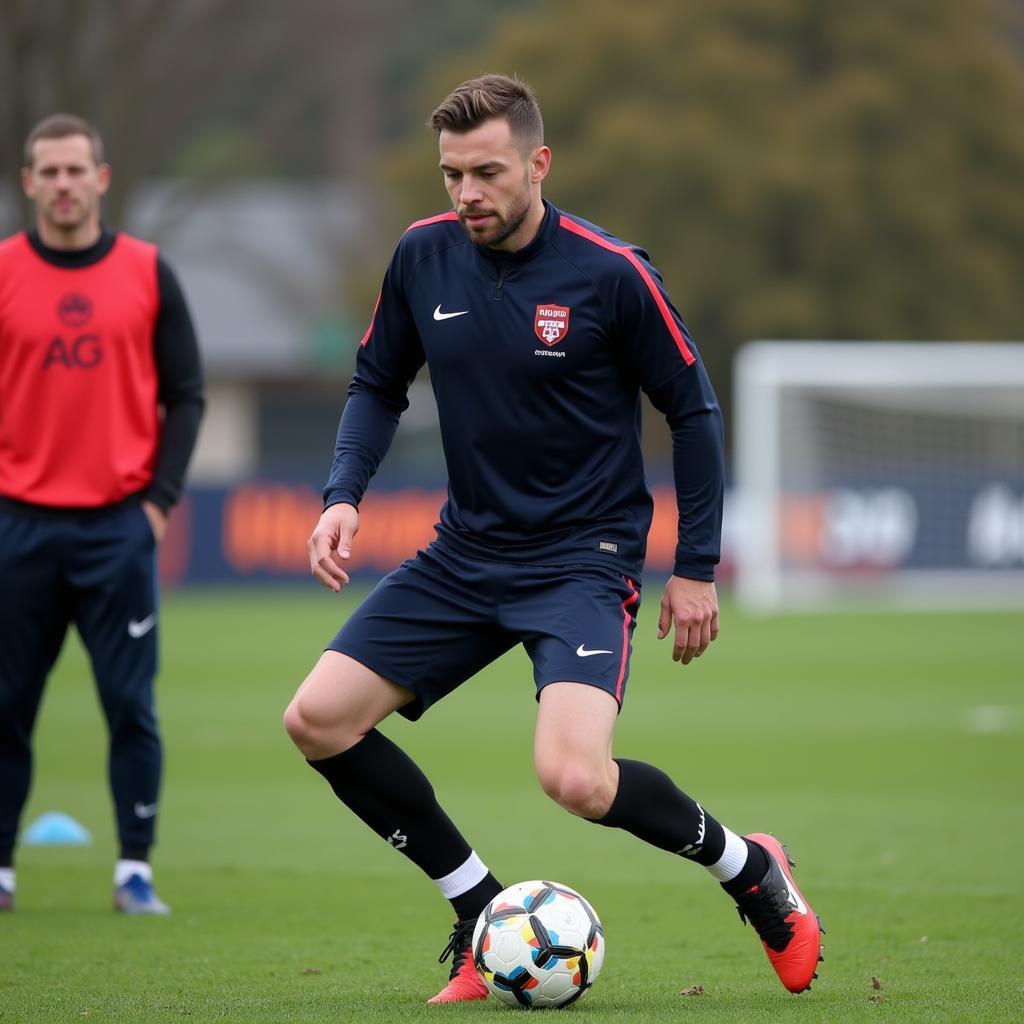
(317, 735)
(578, 789)
(308, 735)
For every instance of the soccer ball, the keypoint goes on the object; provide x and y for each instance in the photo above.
(537, 945)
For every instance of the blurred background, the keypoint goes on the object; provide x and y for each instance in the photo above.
(796, 170)
(843, 176)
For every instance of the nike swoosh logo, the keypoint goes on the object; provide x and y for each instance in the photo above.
(582, 652)
(140, 627)
(144, 810)
(438, 315)
(794, 897)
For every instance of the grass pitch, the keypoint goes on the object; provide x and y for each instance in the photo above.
(887, 751)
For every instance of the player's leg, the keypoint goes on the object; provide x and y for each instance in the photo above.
(338, 704)
(332, 721)
(572, 747)
(581, 687)
(34, 614)
(572, 754)
(113, 573)
(581, 646)
(415, 638)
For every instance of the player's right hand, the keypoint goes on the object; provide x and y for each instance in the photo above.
(330, 545)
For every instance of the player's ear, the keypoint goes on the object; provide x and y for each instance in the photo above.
(104, 177)
(540, 164)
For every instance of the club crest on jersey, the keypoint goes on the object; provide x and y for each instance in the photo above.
(551, 324)
(74, 309)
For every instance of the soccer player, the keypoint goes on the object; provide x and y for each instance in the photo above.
(101, 395)
(540, 330)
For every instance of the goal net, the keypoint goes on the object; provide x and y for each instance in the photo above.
(891, 473)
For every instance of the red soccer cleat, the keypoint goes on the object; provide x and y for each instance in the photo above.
(464, 983)
(790, 931)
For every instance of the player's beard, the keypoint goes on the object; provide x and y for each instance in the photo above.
(507, 224)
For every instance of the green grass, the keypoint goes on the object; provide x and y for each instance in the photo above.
(850, 736)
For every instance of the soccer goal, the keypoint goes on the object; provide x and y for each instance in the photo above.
(890, 473)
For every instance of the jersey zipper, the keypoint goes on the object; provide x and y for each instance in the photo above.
(502, 271)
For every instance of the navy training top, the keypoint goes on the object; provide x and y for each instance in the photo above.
(537, 359)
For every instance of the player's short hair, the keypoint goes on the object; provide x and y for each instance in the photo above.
(489, 96)
(62, 126)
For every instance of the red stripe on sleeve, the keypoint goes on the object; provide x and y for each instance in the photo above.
(369, 330)
(450, 215)
(630, 256)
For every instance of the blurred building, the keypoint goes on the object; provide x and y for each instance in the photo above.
(262, 265)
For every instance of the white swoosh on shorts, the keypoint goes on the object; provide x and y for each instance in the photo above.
(582, 652)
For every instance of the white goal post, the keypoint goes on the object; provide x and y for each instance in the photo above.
(889, 473)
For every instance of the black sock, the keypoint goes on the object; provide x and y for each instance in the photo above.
(650, 806)
(134, 853)
(383, 786)
(751, 873)
(469, 905)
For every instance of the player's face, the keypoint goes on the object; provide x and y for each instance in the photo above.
(65, 183)
(494, 186)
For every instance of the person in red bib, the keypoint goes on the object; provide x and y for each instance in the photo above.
(101, 395)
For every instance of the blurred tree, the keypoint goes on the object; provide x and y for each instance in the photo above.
(795, 169)
(205, 89)
(208, 91)
(203, 94)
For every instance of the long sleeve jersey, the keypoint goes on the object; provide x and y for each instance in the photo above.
(537, 359)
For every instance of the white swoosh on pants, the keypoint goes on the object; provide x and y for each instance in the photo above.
(140, 627)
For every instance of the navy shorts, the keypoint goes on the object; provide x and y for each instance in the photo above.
(440, 617)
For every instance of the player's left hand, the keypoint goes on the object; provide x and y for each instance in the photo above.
(692, 607)
(157, 519)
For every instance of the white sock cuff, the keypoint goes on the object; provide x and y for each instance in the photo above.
(730, 864)
(124, 869)
(463, 878)
(7, 878)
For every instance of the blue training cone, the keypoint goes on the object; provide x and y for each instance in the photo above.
(56, 829)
